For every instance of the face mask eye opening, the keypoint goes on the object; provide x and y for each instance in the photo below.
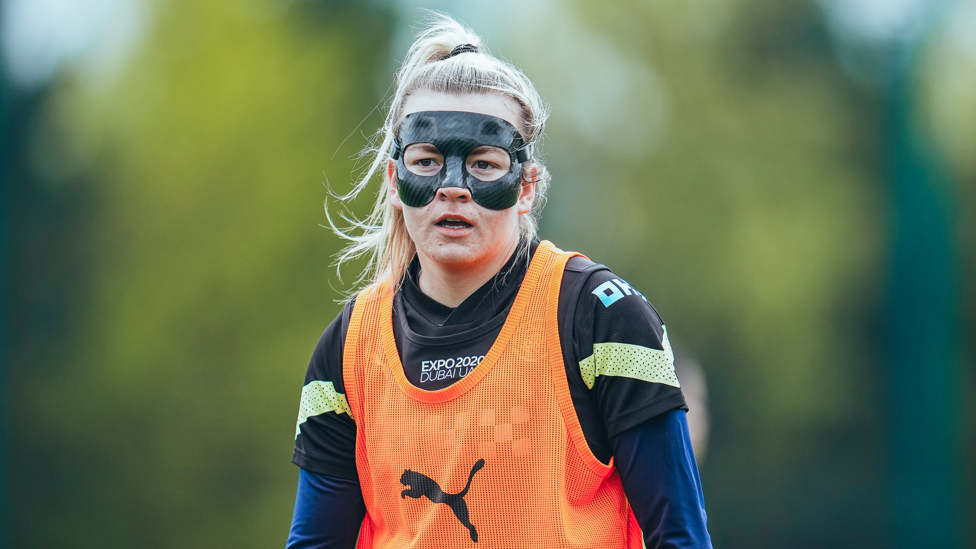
(488, 163)
(423, 159)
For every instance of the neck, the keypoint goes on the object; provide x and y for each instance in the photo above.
(451, 284)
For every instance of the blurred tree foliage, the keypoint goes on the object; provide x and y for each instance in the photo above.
(756, 227)
(947, 115)
(166, 418)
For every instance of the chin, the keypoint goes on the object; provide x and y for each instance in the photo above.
(458, 253)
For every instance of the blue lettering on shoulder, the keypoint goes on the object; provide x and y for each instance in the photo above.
(612, 290)
(608, 293)
(628, 289)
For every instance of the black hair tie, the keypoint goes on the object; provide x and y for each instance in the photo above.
(463, 48)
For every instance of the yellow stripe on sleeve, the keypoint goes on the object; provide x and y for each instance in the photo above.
(319, 397)
(633, 361)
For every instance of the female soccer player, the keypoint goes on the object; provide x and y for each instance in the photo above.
(485, 389)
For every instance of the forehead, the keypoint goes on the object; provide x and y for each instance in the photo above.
(481, 103)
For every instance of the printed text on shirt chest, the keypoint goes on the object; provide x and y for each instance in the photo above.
(448, 368)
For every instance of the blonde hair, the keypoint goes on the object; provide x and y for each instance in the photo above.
(429, 66)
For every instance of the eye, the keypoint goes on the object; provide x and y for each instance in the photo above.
(423, 159)
(488, 163)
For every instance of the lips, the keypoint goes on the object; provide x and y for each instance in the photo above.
(453, 222)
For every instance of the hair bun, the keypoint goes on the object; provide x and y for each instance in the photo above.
(463, 48)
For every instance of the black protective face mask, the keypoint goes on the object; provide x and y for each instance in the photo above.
(455, 135)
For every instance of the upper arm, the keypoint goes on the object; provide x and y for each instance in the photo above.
(623, 353)
(325, 434)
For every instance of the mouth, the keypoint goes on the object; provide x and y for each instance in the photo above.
(451, 222)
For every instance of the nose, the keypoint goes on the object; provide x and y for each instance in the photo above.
(462, 194)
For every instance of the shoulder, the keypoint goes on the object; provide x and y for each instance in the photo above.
(621, 356)
(326, 362)
(619, 331)
(613, 293)
(576, 273)
(605, 302)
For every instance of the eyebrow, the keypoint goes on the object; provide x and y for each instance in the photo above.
(482, 149)
(425, 147)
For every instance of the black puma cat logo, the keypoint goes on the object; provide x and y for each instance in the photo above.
(422, 485)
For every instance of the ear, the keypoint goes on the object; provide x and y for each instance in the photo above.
(527, 194)
(394, 195)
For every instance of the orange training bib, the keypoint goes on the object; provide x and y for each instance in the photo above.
(496, 460)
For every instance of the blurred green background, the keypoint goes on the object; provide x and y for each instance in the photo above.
(792, 183)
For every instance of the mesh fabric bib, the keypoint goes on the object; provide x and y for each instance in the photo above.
(496, 460)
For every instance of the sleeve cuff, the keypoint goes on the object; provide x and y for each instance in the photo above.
(324, 467)
(619, 424)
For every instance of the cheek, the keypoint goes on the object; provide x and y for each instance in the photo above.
(414, 218)
(502, 221)
(409, 219)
